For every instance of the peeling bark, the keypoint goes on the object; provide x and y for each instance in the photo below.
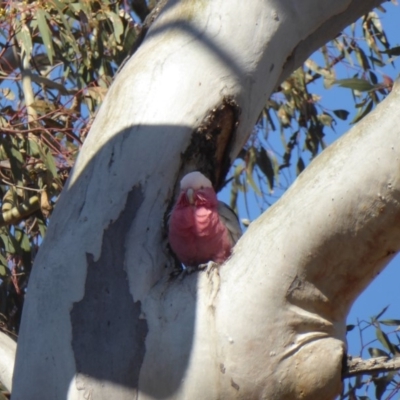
(108, 314)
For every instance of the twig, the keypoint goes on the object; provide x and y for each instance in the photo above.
(27, 84)
(5, 182)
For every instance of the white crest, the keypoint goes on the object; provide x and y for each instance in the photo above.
(195, 180)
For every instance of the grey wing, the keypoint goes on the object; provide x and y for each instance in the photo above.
(231, 221)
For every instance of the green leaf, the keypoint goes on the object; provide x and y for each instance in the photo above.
(234, 196)
(24, 37)
(7, 243)
(375, 352)
(325, 119)
(390, 322)
(376, 317)
(16, 154)
(361, 104)
(363, 112)
(342, 114)
(373, 77)
(45, 33)
(380, 386)
(3, 260)
(22, 239)
(376, 62)
(361, 85)
(250, 180)
(76, 7)
(33, 148)
(48, 161)
(382, 337)
(15, 157)
(362, 59)
(3, 271)
(70, 36)
(129, 39)
(348, 56)
(377, 27)
(9, 199)
(50, 164)
(117, 25)
(250, 168)
(265, 164)
(8, 94)
(394, 51)
(300, 166)
(42, 228)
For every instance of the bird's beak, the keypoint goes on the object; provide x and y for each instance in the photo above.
(190, 195)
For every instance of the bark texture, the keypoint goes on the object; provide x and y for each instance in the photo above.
(7, 355)
(103, 319)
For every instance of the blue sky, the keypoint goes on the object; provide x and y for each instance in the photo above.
(384, 290)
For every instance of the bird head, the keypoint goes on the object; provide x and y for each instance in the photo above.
(193, 182)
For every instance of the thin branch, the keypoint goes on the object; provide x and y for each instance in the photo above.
(359, 366)
(51, 84)
(27, 84)
(4, 181)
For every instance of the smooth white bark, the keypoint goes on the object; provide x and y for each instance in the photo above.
(271, 323)
(332, 232)
(8, 348)
(102, 317)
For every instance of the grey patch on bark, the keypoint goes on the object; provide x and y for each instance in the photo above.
(108, 333)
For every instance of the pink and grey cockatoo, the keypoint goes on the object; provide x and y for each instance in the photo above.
(201, 228)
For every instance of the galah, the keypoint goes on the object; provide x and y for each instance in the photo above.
(201, 228)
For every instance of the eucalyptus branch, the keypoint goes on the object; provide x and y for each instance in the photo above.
(359, 366)
(27, 82)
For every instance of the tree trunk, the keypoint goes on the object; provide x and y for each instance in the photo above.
(7, 354)
(103, 318)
